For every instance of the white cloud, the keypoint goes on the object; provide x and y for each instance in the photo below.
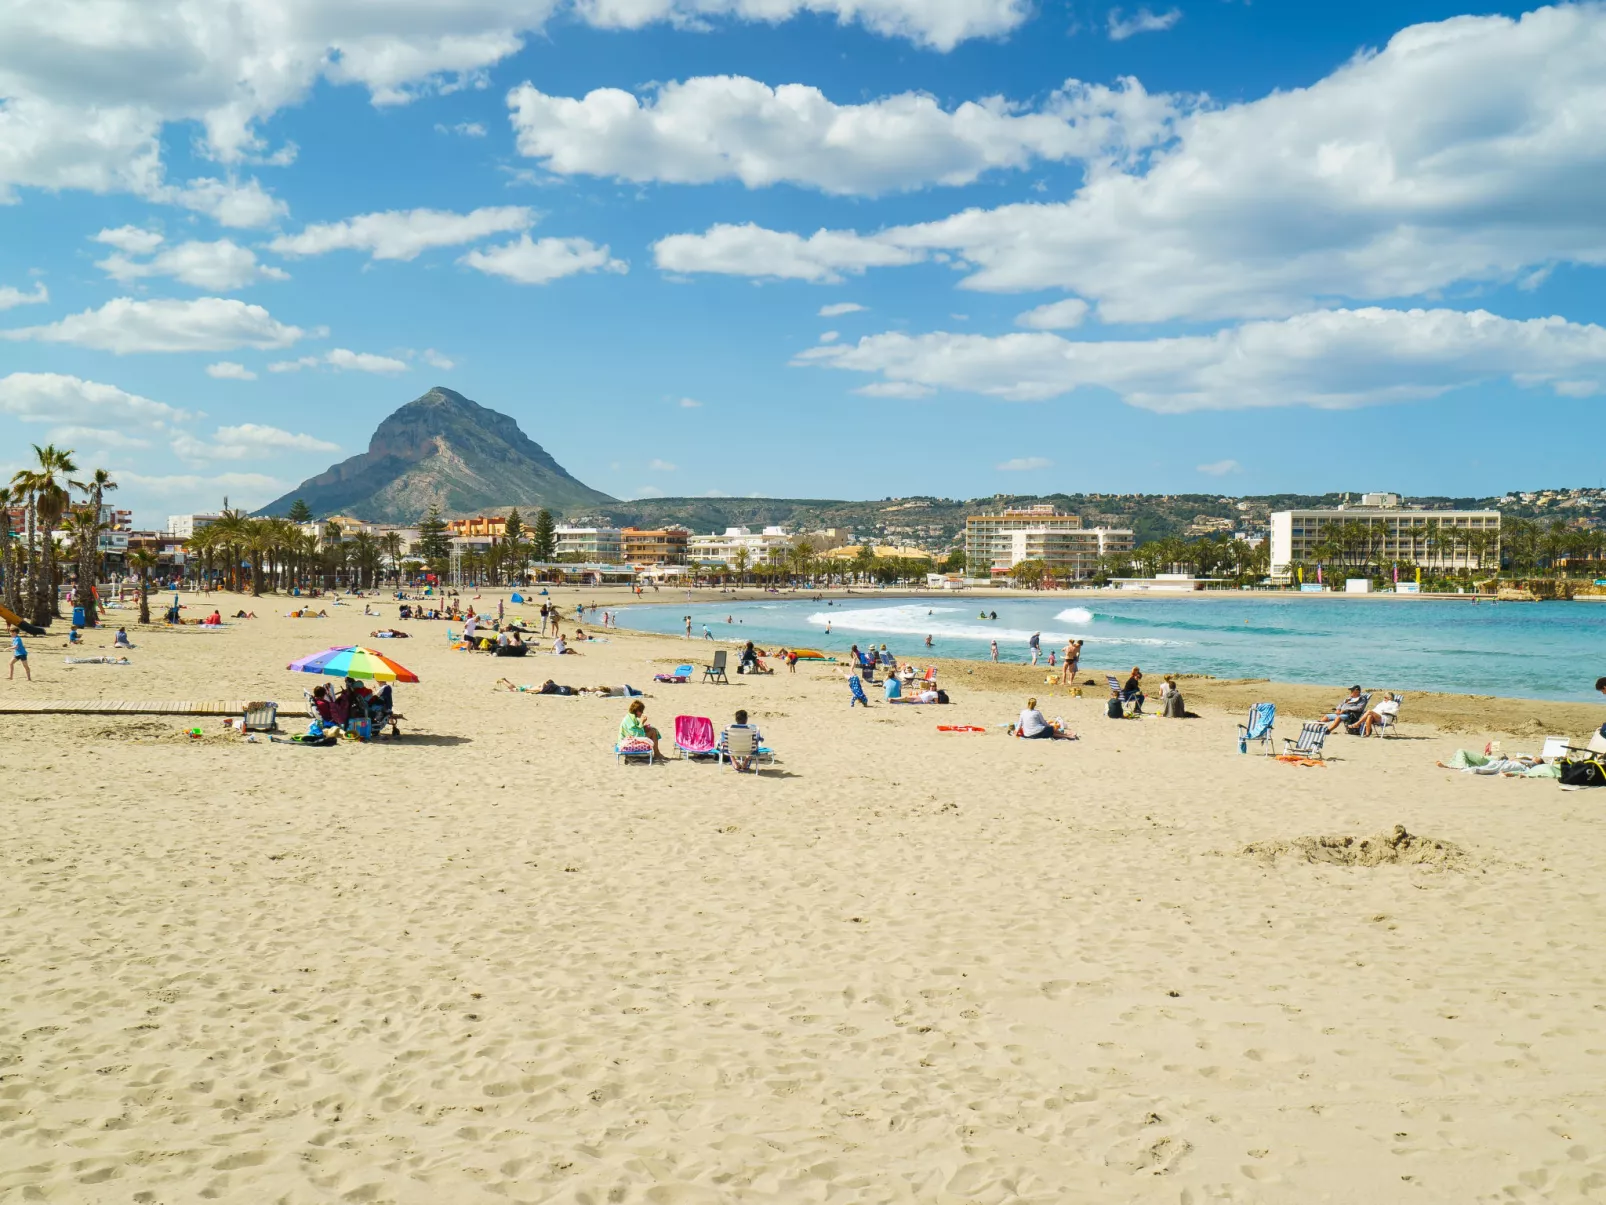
(830, 336)
(537, 261)
(219, 265)
(689, 403)
(907, 390)
(227, 370)
(1143, 21)
(731, 127)
(661, 466)
(1056, 316)
(49, 397)
(226, 202)
(468, 129)
(435, 360)
(754, 251)
(1219, 468)
(1025, 464)
(939, 24)
(1456, 155)
(404, 233)
(100, 437)
(344, 360)
(247, 441)
(131, 240)
(206, 324)
(840, 308)
(246, 490)
(11, 297)
(1577, 388)
(1329, 359)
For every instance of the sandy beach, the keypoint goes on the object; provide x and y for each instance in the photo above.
(486, 963)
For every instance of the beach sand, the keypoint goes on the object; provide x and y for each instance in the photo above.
(487, 963)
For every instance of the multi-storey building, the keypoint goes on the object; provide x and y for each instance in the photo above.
(184, 527)
(995, 543)
(596, 545)
(1443, 539)
(480, 525)
(770, 546)
(658, 546)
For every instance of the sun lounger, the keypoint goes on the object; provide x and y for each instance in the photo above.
(635, 748)
(716, 671)
(682, 673)
(1309, 742)
(856, 689)
(694, 736)
(261, 717)
(1258, 726)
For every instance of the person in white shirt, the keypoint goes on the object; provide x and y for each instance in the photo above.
(1374, 719)
(1032, 726)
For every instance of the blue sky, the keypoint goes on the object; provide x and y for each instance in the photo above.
(1209, 246)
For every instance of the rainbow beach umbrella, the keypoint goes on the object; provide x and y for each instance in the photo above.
(353, 661)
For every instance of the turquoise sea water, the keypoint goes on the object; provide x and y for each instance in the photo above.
(1524, 650)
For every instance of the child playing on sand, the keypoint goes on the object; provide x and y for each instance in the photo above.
(19, 652)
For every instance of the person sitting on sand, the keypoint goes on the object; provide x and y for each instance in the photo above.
(635, 727)
(741, 725)
(1348, 712)
(73, 637)
(1033, 727)
(121, 641)
(215, 619)
(893, 689)
(560, 646)
(1171, 700)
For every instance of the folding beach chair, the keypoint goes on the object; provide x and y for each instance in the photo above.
(716, 671)
(1258, 726)
(694, 736)
(856, 687)
(1388, 722)
(260, 717)
(635, 748)
(740, 743)
(1127, 705)
(682, 673)
(1309, 742)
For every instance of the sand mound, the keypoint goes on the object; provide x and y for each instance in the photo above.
(1398, 848)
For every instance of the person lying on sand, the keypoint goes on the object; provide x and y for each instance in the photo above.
(388, 634)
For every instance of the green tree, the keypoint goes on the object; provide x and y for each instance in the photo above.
(143, 560)
(96, 486)
(300, 512)
(954, 562)
(543, 537)
(434, 545)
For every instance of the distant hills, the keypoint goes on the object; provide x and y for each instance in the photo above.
(445, 451)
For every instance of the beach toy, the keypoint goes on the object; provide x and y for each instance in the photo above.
(195, 734)
(960, 728)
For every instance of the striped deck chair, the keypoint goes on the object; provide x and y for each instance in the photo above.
(856, 689)
(1127, 705)
(1258, 726)
(1309, 742)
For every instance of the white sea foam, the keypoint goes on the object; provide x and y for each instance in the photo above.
(1075, 615)
(915, 621)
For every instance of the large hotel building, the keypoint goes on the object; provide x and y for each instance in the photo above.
(1401, 533)
(995, 543)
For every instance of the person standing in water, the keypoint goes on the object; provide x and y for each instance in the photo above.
(1073, 655)
(1036, 645)
(995, 650)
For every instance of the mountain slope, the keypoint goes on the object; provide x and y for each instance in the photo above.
(441, 450)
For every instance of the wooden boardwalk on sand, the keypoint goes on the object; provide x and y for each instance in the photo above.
(114, 707)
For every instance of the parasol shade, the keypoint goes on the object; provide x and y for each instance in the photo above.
(353, 661)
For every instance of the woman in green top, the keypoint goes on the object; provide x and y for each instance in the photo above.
(634, 727)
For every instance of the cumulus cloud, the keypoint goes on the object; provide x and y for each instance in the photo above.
(227, 370)
(840, 308)
(404, 233)
(731, 127)
(435, 360)
(344, 360)
(1024, 464)
(752, 250)
(11, 297)
(1121, 28)
(49, 397)
(1056, 316)
(131, 240)
(227, 202)
(468, 129)
(247, 441)
(1460, 153)
(125, 325)
(530, 261)
(99, 437)
(219, 265)
(1329, 359)
(1219, 468)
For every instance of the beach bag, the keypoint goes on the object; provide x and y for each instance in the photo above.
(942, 696)
(1583, 774)
(1112, 708)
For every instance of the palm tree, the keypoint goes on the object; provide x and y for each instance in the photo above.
(395, 548)
(143, 561)
(95, 487)
(8, 549)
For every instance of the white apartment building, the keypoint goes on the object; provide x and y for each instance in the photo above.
(767, 547)
(595, 545)
(1443, 539)
(184, 527)
(995, 543)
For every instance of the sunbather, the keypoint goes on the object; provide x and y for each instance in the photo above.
(741, 763)
(121, 641)
(1033, 727)
(388, 634)
(635, 727)
(1171, 706)
(1349, 711)
(1379, 716)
